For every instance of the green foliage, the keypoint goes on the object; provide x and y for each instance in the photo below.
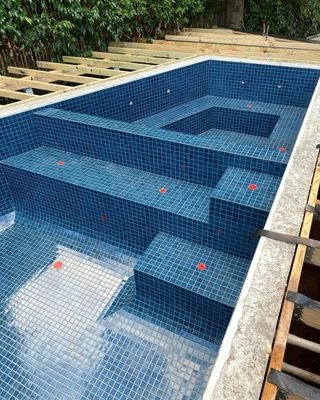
(79, 26)
(285, 17)
(166, 15)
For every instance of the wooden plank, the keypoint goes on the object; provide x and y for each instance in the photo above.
(81, 69)
(209, 30)
(307, 310)
(129, 57)
(235, 38)
(145, 50)
(241, 36)
(313, 256)
(244, 41)
(222, 32)
(11, 94)
(21, 83)
(53, 76)
(271, 53)
(269, 391)
(207, 48)
(311, 317)
(293, 388)
(92, 62)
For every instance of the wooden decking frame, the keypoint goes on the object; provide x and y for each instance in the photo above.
(129, 57)
(276, 362)
(57, 77)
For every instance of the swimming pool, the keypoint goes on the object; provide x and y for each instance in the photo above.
(126, 216)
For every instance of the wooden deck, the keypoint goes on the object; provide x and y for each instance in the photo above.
(129, 57)
(27, 84)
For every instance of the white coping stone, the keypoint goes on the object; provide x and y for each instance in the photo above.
(241, 364)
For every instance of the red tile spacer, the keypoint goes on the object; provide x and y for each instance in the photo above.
(201, 266)
(58, 265)
(60, 162)
(252, 186)
(163, 190)
(282, 149)
(103, 218)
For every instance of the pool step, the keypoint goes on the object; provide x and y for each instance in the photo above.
(241, 201)
(239, 204)
(187, 277)
(106, 197)
(103, 197)
(176, 261)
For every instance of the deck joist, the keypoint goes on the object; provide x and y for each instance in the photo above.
(58, 77)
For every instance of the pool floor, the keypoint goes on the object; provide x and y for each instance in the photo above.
(56, 340)
(130, 244)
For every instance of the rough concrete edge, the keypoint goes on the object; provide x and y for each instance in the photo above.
(242, 361)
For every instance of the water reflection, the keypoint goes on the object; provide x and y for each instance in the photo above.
(55, 315)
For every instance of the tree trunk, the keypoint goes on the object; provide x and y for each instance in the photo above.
(234, 14)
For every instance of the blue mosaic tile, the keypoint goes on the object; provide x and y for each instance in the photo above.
(247, 188)
(130, 184)
(155, 150)
(228, 120)
(112, 288)
(178, 264)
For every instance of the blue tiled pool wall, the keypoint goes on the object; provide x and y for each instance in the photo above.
(262, 83)
(141, 98)
(215, 78)
(17, 134)
(6, 200)
(66, 209)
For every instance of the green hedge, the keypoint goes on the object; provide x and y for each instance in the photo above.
(78, 26)
(299, 18)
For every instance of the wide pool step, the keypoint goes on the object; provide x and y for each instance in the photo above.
(129, 184)
(193, 267)
(101, 196)
(186, 278)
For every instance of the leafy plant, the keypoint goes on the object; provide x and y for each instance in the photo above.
(292, 18)
(79, 26)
